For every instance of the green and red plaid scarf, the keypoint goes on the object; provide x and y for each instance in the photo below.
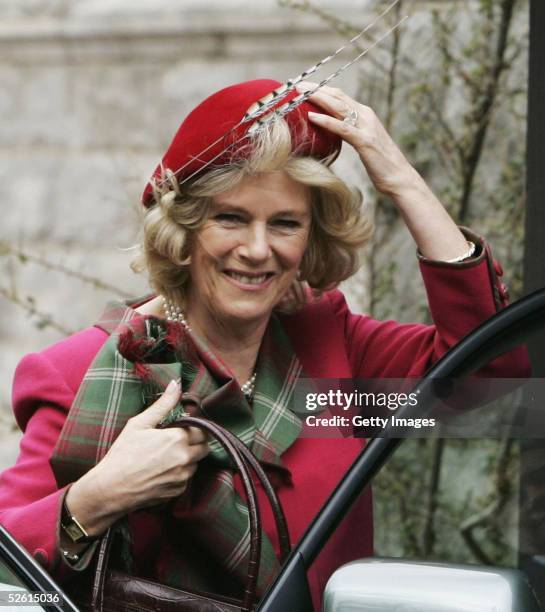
(207, 526)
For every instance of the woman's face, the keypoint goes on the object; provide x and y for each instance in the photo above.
(248, 252)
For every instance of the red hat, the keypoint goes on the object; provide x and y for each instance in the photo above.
(219, 114)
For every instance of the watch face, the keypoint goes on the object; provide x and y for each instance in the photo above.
(74, 531)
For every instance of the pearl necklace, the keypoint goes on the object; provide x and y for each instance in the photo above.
(175, 313)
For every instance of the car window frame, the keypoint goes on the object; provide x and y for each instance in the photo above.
(507, 329)
(30, 573)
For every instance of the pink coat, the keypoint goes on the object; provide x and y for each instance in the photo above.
(330, 342)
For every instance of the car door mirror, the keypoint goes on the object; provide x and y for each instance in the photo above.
(392, 585)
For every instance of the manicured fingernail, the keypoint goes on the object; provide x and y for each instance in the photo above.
(315, 115)
(172, 387)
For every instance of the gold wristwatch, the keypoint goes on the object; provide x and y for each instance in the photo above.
(72, 527)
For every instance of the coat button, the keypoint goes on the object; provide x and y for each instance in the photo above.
(41, 556)
(504, 292)
(498, 268)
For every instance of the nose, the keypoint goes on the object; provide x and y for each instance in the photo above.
(255, 246)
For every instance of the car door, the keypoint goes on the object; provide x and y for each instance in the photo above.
(484, 531)
(24, 583)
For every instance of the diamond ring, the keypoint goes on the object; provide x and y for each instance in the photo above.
(351, 117)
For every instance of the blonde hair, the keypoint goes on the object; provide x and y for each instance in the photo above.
(338, 229)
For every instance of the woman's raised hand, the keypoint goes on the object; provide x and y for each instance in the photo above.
(143, 467)
(386, 165)
(434, 231)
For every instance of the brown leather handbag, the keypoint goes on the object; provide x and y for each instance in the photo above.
(115, 591)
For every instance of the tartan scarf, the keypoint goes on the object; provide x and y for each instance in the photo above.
(208, 539)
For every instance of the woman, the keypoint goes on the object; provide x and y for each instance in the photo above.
(244, 241)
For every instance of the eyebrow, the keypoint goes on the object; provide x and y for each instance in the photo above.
(235, 208)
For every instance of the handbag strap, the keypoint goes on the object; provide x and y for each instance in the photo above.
(97, 590)
(276, 507)
(241, 464)
(222, 436)
(193, 406)
(253, 511)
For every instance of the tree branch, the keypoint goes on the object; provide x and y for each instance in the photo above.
(24, 257)
(341, 26)
(45, 320)
(482, 112)
(428, 534)
(500, 499)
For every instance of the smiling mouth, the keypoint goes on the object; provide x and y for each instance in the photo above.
(249, 280)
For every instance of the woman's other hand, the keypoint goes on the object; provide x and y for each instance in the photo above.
(434, 231)
(143, 467)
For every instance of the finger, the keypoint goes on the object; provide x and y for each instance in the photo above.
(189, 472)
(345, 130)
(324, 90)
(337, 107)
(188, 435)
(197, 452)
(196, 435)
(159, 409)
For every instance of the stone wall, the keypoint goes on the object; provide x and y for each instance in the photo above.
(90, 93)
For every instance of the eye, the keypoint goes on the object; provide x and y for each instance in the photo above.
(229, 219)
(289, 224)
